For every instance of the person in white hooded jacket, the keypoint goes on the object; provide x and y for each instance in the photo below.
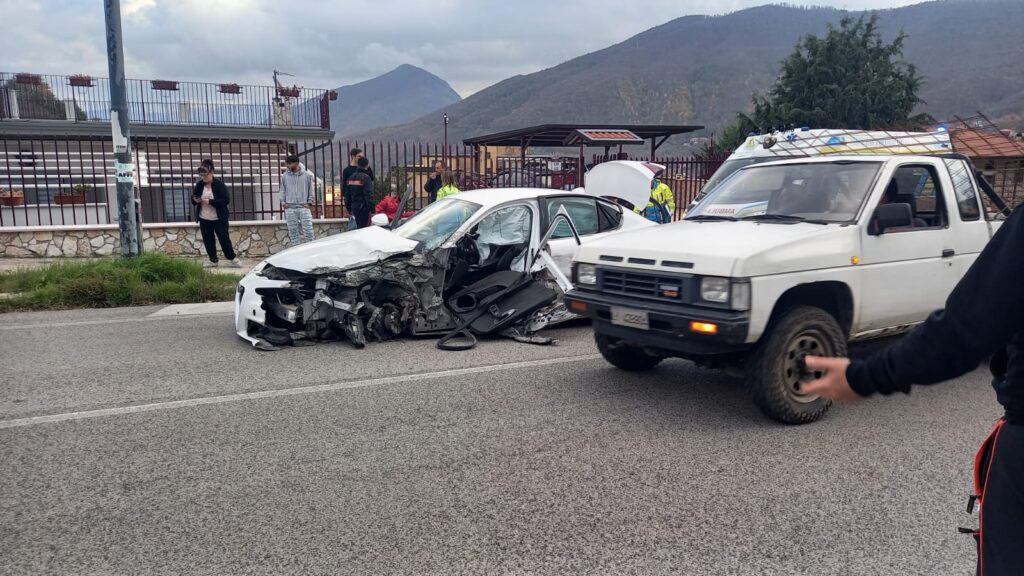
(298, 193)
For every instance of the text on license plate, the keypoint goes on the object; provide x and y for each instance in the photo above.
(630, 318)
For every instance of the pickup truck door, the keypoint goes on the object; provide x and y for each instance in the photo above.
(907, 273)
(973, 232)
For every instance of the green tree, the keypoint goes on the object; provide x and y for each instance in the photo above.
(851, 78)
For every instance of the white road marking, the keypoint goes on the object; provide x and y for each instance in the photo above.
(149, 318)
(51, 418)
(206, 309)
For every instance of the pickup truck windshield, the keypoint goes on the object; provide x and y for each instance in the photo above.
(818, 191)
(727, 169)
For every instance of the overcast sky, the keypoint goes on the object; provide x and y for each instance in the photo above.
(329, 43)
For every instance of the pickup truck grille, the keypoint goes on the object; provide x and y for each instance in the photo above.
(651, 286)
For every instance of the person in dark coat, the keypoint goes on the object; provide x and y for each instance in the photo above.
(211, 200)
(983, 319)
(359, 194)
(433, 183)
(353, 167)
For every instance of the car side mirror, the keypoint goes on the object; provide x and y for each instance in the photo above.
(888, 216)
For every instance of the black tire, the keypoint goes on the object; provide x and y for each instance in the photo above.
(773, 373)
(624, 356)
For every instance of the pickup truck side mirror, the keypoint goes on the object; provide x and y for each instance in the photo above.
(888, 216)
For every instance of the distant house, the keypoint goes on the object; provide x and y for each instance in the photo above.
(56, 147)
(998, 154)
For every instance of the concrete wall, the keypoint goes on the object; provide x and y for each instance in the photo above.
(250, 239)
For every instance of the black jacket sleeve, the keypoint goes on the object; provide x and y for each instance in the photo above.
(431, 186)
(982, 314)
(221, 198)
(368, 190)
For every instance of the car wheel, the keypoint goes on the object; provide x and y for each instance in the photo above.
(776, 372)
(624, 356)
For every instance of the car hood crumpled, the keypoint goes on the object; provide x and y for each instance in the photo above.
(344, 251)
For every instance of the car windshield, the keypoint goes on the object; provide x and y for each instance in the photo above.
(818, 191)
(437, 222)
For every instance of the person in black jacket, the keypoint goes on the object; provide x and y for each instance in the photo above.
(211, 200)
(433, 183)
(359, 195)
(353, 167)
(983, 318)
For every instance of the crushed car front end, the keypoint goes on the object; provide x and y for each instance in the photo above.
(277, 306)
(362, 284)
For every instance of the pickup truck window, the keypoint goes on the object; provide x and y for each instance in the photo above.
(918, 186)
(819, 191)
(963, 186)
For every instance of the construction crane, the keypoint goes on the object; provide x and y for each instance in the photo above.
(282, 108)
(277, 83)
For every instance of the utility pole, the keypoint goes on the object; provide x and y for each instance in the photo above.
(123, 168)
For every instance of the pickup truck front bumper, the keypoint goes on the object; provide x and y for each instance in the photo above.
(670, 328)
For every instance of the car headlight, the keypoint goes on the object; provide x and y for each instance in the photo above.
(715, 290)
(586, 274)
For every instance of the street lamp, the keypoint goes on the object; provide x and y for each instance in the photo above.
(446, 138)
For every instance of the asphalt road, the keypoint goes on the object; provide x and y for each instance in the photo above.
(138, 445)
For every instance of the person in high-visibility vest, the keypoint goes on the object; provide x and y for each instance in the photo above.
(448, 185)
(662, 204)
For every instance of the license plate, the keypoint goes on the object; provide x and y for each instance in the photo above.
(630, 318)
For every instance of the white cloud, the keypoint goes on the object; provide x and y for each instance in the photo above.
(472, 44)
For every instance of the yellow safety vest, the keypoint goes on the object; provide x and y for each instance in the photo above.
(663, 194)
(448, 190)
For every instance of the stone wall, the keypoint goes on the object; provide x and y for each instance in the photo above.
(250, 239)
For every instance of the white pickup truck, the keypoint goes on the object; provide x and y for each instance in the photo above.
(786, 259)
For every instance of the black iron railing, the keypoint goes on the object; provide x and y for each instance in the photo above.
(82, 98)
(47, 181)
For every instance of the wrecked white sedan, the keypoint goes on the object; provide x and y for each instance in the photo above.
(493, 261)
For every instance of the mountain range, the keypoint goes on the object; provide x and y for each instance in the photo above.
(401, 95)
(703, 69)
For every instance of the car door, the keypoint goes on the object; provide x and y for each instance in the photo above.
(907, 273)
(592, 218)
(510, 227)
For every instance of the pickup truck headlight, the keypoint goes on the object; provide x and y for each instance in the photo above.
(715, 290)
(586, 274)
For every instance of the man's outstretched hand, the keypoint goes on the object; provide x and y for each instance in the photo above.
(832, 384)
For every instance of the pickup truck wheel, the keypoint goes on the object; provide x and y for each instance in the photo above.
(776, 372)
(624, 356)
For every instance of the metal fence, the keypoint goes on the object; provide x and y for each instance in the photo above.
(70, 181)
(87, 99)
